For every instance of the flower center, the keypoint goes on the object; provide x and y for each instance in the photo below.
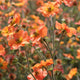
(50, 9)
(19, 40)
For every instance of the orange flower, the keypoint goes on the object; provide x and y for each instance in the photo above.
(43, 64)
(78, 29)
(62, 42)
(19, 38)
(62, 27)
(2, 50)
(37, 20)
(39, 74)
(46, 63)
(68, 3)
(49, 62)
(70, 41)
(10, 13)
(8, 30)
(68, 56)
(1, 12)
(39, 3)
(72, 32)
(15, 19)
(3, 64)
(74, 44)
(72, 72)
(36, 66)
(78, 54)
(18, 4)
(48, 9)
(38, 33)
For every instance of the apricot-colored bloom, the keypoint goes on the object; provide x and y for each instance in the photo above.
(63, 27)
(62, 42)
(43, 64)
(68, 56)
(66, 76)
(77, 39)
(1, 12)
(36, 66)
(72, 72)
(74, 44)
(78, 29)
(49, 62)
(68, 3)
(24, 23)
(8, 30)
(2, 50)
(38, 33)
(38, 20)
(20, 38)
(78, 54)
(18, 4)
(46, 63)
(70, 41)
(72, 32)
(10, 13)
(15, 19)
(39, 3)
(48, 9)
(3, 64)
(39, 74)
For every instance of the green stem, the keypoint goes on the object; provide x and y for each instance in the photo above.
(29, 67)
(53, 42)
